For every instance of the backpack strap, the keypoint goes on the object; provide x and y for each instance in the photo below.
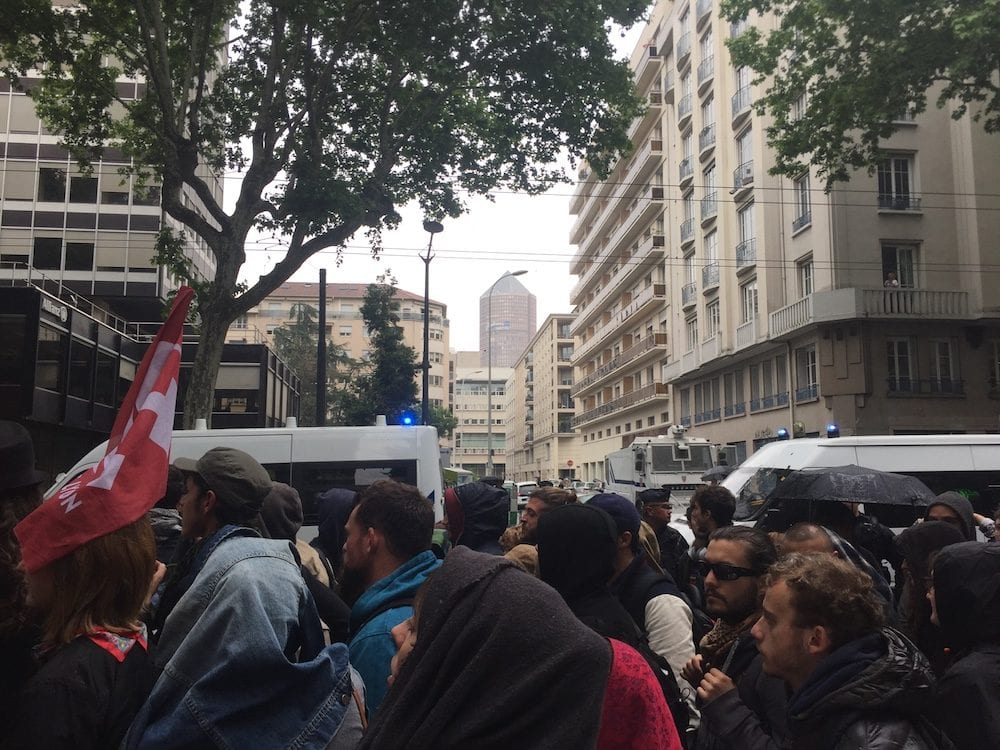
(403, 601)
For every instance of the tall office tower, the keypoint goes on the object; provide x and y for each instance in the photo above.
(749, 306)
(506, 321)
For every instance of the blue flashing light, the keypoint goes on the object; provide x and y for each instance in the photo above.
(407, 419)
(832, 430)
(782, 434)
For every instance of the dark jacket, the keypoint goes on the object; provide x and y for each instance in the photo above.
(967, 596)
(484, 516)
(751, 717)
(674, 558)
(82, 697)
(871, 693)
(639, 583)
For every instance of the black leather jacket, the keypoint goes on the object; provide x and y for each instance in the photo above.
(881, 707)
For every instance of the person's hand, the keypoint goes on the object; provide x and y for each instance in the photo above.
(692, 671)
(715, 683)
(159, 572)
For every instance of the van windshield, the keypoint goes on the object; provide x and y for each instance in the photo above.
(752, 486)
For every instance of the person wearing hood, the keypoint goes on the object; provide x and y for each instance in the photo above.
(465, 674)
(476, 514)
(965, 603)
(333, 508)
(855, 684)
(954, 508)
(918, 545)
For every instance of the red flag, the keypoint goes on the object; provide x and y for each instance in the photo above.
(132, 476)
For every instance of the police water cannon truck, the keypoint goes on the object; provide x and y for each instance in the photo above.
(674, 460)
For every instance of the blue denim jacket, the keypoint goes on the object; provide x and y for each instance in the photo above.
(243, 659)
(372, 646)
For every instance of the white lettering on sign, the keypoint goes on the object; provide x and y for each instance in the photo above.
(53, 308)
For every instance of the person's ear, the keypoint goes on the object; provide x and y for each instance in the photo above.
(372, 540)
(818, 641)
(209, 501)
(625, 540)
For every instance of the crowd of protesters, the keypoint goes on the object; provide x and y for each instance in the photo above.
(210, 623)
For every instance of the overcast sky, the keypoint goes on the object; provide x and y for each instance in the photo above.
(512, 233)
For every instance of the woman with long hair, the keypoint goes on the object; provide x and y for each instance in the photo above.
(94, 670)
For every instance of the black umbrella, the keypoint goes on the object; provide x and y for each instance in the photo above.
(717, 473)
(854, 484)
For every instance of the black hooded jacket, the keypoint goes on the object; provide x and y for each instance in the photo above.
(485, 509)
(871, 693)
(967, 599)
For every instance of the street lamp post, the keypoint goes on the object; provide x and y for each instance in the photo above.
(489, 369)
(431, 227)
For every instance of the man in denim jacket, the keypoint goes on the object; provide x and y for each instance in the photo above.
(241, 652)
(387, 552)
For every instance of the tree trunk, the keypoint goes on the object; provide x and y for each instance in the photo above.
(201, 388)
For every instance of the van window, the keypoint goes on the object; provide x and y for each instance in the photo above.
(669, 458)
(756, 486)
(313, 478)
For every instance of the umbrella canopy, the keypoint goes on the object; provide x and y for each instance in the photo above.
(717, 473)
(854, 484)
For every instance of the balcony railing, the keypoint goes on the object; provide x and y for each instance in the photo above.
(689, 293)
(686, 169)
(746, 253)
(925, 387)
(743, 175)
(687, 230)
(746, 333)
(808, 393)
(710, 276)
(683, 49)
(741, 101)
(791, 317)
(638, 396)
(706, 69)
(712, 415)
(734, 410)
(771, 401)
(801, 221)
(684, 106)
(904, 202)
(709, 206)
(706, 138)
(925, 303)
(627, 356)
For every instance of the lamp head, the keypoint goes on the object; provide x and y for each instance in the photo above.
(433, 227)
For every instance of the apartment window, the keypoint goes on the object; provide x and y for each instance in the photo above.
(345, 330)
(895, 183)
(708, 112)
(803, 211)
(52, 185)
(804, 270)
(900, 353)
(689, 269)
(943, 369)
(899, 260)
(732, 384)
(799, 107)
(709, 179)
(79, 256)
(806, 373)
(706, 46)
(240, 322)
(688, 207)
(744, 220)
(146, 195)
(691, 329)
(83, 189)
(748, 301)
(346, 307)
(744, 145)
(711, 247)
(714, 317)
(47, 253)
(686, 146)
(685, 405)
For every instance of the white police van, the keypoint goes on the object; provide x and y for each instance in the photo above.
(315, 459)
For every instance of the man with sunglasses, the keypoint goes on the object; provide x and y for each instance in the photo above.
(740, 705)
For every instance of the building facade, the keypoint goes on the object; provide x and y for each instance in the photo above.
(346, 328)
(473, 404)
(506, 321)
(716, 295)
(541, 443)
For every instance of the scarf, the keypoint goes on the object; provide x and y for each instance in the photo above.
(716, 644)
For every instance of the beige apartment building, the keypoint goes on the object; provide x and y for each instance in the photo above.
(473, 405)
(718, 296)
(541, 442)
(345, 326)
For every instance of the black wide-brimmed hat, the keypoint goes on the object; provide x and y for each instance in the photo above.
(17, 457)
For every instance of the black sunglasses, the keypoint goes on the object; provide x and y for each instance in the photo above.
(723, 571)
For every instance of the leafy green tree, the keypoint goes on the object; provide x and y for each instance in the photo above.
(297, 342)
(861, 65)
(386, 384)
(334, 113)
(443, 419)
